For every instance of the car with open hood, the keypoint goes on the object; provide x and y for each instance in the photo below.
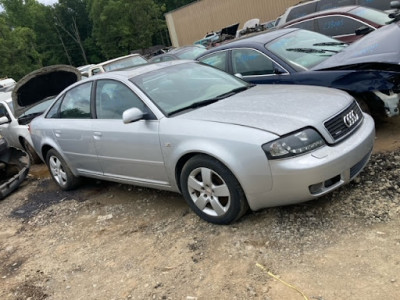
(31, 96)
(186, 127)
(368, 69)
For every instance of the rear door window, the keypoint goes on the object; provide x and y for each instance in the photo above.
(76, 102)
(302, 10)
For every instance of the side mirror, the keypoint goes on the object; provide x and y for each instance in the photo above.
(132, 115)
(278, 71)
(238, 75)
(395, 4)
(4, 120)
(363, 30)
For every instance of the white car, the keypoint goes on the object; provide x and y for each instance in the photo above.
(15, 130)
(116, 64)
(39, 89)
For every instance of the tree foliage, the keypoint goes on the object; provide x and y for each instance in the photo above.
(120, 26)
(77, 32)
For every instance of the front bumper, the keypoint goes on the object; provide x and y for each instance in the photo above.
(319, 172)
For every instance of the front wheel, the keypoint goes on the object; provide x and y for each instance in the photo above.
(212, 191)
(60, 172)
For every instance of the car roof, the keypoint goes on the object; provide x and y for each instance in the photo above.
(141, 69)
(115, 59)
(345, 10)
(183, 49)
(259, 38)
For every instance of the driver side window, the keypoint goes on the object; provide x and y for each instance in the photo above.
(248, 62)
(113, 98)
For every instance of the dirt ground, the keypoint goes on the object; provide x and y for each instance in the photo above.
(112, 241)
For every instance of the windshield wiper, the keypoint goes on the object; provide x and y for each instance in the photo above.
(311, 50)
(330, 44)
(194, 105)
(212, 100)
(232, 92)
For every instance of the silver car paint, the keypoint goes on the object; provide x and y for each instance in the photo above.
(232, 132)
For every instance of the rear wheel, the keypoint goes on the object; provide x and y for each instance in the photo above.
(33, 157)
(212, 191)
(60, 172)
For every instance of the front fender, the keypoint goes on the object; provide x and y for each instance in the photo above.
(243, 157)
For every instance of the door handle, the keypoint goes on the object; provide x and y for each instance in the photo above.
(57, 133)
(97, 134)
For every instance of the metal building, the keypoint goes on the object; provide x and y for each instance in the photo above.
(191, 22)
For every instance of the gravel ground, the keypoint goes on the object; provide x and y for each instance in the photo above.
(111, 241)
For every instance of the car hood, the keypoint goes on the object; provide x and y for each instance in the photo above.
(41, 84)
(275, 108)
(379, 46)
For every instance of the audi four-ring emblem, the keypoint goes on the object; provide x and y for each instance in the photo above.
(351, 118)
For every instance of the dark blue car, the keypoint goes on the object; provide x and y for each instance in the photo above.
(367, 69)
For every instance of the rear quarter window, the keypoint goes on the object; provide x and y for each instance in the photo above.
(301, 11)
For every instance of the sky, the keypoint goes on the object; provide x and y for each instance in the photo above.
(48, 2)
(45, 2)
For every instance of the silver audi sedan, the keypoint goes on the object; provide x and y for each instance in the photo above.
(222, 143)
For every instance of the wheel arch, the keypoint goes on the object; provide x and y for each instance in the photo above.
(45, 149)
(181, 162)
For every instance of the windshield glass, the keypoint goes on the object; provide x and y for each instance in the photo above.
(180, 86)
(39, 108)
(125, 63)
(376, 16)
(303, 49)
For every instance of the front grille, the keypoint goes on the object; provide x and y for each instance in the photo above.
(354, 170)
(345, 122)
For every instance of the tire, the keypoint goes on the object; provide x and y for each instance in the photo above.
(33, 157)
(200, 177)
(60, 172)
(3, 146)
(363, 105)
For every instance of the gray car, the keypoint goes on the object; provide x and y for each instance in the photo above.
(224, 144)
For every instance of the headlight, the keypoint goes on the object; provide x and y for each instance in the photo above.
(295, 144)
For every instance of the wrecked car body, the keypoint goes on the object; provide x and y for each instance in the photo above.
(30, 97)
(368, 69)
(14, 167)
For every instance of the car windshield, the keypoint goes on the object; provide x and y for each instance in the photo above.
(303, 49)
(125, 63)
(39, 108)
(187, 86)
(376, 16)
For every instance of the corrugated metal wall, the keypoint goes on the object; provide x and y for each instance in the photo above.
(190, 23)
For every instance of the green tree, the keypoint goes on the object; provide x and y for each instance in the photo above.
(18, 55)
(71, 21)
(38, 18)
(120, 26)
